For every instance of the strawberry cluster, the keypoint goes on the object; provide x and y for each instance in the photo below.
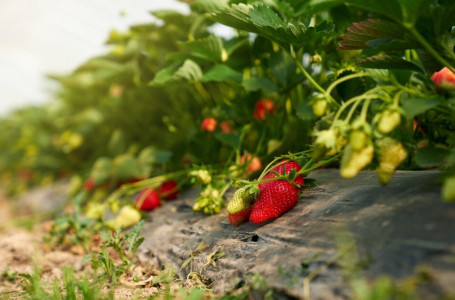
(149, 198)
(269, 199)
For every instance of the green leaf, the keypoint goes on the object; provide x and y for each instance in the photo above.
(163, 157)
(263, 20)
(210, 48)
(230, 139)
(195, 294)
(305, 111)
(402, 11)
(101, 170)
(168, 16)
(222, 73)
(273, 145)
(125, 167)
(375, 33)
(388, 62)
(264, 16)
(133, 237)
(431, 157)
(117, 143)
(150, 155)
(105, 236)
(451, 103)
(448, 189)
(209, 5)
(260, 83)
(416, 106)
(189, 71)
(165, 75)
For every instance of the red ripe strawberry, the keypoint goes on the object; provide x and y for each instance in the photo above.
(240, 217)
(254, 163)
(148, 199)
(444, 80)
(263, 107)
(208, 124)
(275, 198)
(89, 184)
(169, 190)
(289, 166)
(227, 127)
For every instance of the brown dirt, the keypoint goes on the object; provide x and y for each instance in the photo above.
(21, 251)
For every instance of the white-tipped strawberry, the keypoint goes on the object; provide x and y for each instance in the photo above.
(242, 199)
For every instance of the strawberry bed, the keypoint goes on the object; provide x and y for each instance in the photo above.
(298, 86)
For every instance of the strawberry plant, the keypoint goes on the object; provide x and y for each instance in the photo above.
(358, 84)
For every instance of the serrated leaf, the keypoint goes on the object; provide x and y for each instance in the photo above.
(188, 71)
(260, 83)
(402, 11)
(165, 75)
(210, 48)
(133, 237)
(208, 5)
(264, 16)
(416, 106)
(263, 20)
(136, 244)
(234, 44)
(388, 62)
(375, 33)
(222, 73)
(105, 236)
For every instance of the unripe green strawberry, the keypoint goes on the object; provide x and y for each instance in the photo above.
(358, 139)
(203, 176)
(316, 59)
(319, 152)
(319, 106)
(448, 189)
(354, 161)
(127, 216)
(389, 120)
(242, 199)
(391, 155)
(332, 139)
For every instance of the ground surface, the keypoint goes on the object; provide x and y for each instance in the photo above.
(339, 229)
(395, 230)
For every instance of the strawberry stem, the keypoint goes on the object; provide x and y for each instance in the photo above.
(304, 171)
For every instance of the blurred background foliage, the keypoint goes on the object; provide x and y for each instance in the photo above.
(137, 110)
